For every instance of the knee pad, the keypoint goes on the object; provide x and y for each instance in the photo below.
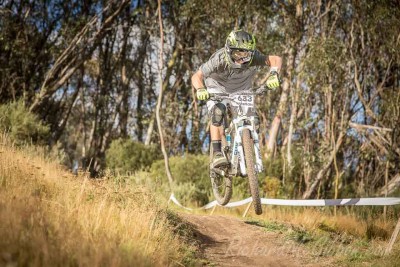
(217, 114)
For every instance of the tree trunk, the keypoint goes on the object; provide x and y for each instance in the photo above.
(293, 116)
(291, 50)
(150, 130)
(311, 190)
(125, 90)
(160, 98)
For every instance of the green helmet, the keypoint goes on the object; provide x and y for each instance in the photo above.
(239, 47)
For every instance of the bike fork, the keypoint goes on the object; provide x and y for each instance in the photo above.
(257, 152)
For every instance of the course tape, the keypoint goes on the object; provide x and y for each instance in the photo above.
(378, 201)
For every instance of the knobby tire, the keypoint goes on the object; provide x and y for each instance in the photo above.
(221, 185)
(251, 171)
(222, 191)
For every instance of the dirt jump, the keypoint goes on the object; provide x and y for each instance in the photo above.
(229, 241)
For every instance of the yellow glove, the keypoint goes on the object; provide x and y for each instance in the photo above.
(273, 81)
(202, 94)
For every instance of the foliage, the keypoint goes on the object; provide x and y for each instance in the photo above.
(88, 70)
(126, 155)
(193, 193)
(22, 125)
(273, 187)
(192, 183)
(324, 55)
(273, 167)
(185, 168)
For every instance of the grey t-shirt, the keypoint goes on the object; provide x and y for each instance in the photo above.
(219, 76)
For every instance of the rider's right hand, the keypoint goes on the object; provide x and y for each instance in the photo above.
(202, 94)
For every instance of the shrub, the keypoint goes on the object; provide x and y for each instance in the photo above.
(272, 186)
(188, 168)
(126, 155)
(192, 183)
(191, 192)
(22, 125)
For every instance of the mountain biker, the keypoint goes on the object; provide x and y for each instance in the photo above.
(231, 69)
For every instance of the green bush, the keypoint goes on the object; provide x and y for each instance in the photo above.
(193, 186)
(126, 155)
(241, 189)
(192, 183)
(192, 193)
(188, 168)
(22, 125)
(272, 187)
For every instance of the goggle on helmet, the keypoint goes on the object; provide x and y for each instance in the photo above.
(239, 47)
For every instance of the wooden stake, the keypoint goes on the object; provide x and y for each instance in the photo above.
(247, 209)
(386, 188)
(393, 238)
(212, 211)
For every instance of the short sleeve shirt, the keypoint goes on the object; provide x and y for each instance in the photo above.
(220, 76)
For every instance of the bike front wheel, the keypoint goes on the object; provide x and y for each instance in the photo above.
(251, 171)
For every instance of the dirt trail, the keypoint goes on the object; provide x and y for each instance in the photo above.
(228, 241)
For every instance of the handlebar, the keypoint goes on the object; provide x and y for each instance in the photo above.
(255, 91)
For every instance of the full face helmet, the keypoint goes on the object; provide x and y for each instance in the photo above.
(239, 48)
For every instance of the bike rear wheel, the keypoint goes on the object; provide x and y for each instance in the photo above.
(222, 187)
(251, 171)
(221, 184)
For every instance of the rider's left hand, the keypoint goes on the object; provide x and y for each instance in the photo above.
(202, 94)
(273, 81)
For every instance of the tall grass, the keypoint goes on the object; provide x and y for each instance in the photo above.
(323, 218)
(51, 218)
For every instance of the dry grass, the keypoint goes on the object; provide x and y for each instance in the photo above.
(314, 218)
(50, 218)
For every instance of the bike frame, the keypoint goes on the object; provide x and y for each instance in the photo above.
(234, 151)
(237, 154)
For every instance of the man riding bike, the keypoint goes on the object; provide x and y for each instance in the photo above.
(231, 70)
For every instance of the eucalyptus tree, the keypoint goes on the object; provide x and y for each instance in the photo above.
(89, 70)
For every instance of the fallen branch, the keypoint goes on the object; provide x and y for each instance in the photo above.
(363, 126)
(393, 184)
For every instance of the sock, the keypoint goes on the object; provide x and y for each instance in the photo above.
(216, 145)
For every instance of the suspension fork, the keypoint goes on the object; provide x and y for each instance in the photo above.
(226, 139)
(236, 154)
(257, 151)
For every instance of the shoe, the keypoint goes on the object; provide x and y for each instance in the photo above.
(219, 160)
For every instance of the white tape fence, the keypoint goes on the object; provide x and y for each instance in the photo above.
(378, 201)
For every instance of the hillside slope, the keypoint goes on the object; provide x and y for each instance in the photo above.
(51, 218)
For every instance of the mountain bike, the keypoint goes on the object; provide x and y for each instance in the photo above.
(242, 152)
